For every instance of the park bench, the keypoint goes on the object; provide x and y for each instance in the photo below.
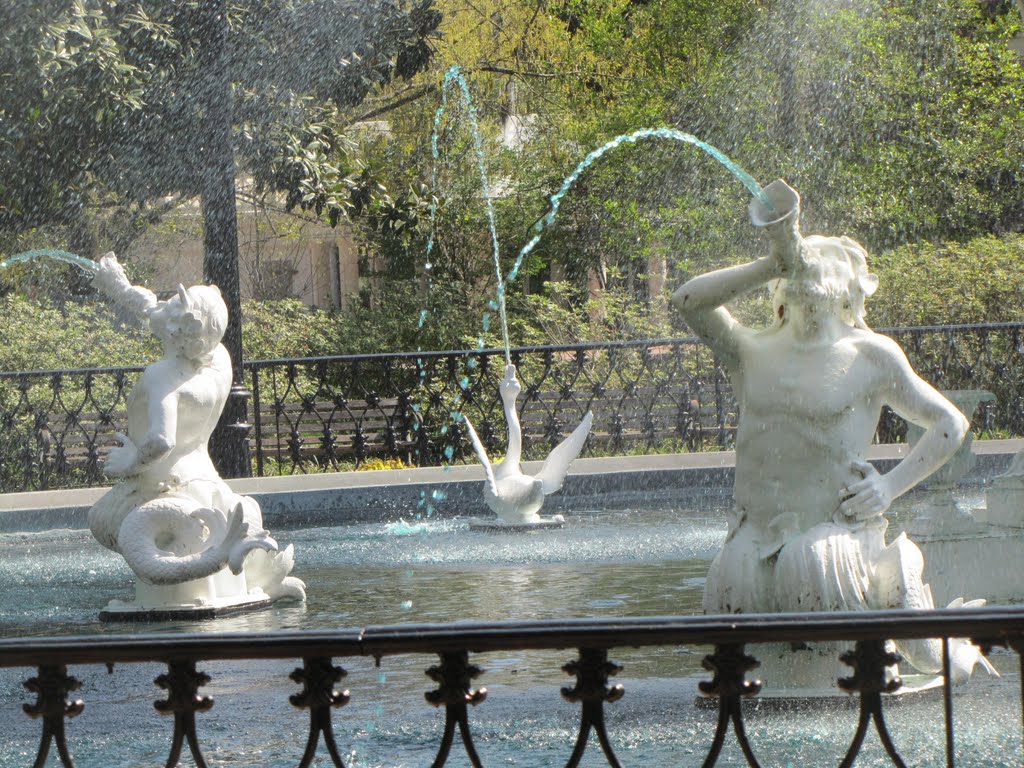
(77, 441)
(324, 432)
(642, 414)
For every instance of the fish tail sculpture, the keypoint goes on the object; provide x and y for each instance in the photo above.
(900, 573)
(169, 541)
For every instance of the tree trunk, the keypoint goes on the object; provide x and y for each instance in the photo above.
(229, 442)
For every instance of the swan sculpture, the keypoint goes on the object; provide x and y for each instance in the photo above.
(515, 497)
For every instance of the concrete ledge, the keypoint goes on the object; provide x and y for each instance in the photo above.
(348, 497)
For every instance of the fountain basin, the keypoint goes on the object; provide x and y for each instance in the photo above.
(638, 554)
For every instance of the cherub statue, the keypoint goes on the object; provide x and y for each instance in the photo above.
(516, 498)
(171, 516)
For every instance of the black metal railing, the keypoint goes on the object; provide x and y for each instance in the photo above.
(307, 415)
(647, 396)
(732, 640)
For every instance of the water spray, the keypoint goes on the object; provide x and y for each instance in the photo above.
(65, 257)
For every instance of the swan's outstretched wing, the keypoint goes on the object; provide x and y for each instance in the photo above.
(481, 454)
(556, 465)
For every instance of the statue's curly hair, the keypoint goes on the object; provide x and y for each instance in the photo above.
(206, 315)
(854, 294)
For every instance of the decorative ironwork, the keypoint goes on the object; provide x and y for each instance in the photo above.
(454, 676)
(52, 686)
(182, 683)
(730, 666)
(871, 677)
(338, 412)
(591, 691)
(991, 625)
(317, 677)
(947, 710)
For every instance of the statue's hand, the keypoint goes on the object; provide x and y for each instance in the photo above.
(781, 223)
(123, 460)
(866, 498)
(110, 277)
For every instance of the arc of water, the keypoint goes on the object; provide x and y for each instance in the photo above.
(454, 75)
(87, 265)
(631, 138)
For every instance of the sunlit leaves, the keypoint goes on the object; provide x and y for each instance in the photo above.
(105, 99)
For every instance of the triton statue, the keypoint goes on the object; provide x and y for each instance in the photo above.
(191, 541)
(807, 530)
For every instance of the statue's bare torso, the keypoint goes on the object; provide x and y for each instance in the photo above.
(808, 519)
(180, 404)
(801, 436)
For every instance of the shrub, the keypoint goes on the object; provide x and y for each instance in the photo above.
(978, 281)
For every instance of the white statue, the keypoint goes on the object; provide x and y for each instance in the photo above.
(514, 497)
(807, 530)
(190, 540)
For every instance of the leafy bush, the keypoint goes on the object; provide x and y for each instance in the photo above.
(978, 281)
(41, 336)
(286, 328)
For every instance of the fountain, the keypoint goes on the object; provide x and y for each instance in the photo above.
(514, 497)
(196, 548)
(625, 568)
(635, 558)
(807, 531)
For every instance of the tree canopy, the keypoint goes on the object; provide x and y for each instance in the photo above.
(898, 121)
(100, 102)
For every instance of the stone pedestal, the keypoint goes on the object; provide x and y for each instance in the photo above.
(1004, 503)
(221, 594)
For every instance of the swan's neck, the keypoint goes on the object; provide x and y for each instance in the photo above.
(514, 451)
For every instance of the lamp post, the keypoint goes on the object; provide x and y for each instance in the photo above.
(229, 443)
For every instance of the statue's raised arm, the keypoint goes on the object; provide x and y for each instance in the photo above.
(111, 280)
(701, 300)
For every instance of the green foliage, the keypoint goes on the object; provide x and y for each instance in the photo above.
(287, 328)
(612, 315)
(897, 121)
(978, 281)
(44, 337)
(108, 101)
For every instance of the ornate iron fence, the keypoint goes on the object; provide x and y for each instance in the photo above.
(307, 415)
(648, 396)
(729, 663)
